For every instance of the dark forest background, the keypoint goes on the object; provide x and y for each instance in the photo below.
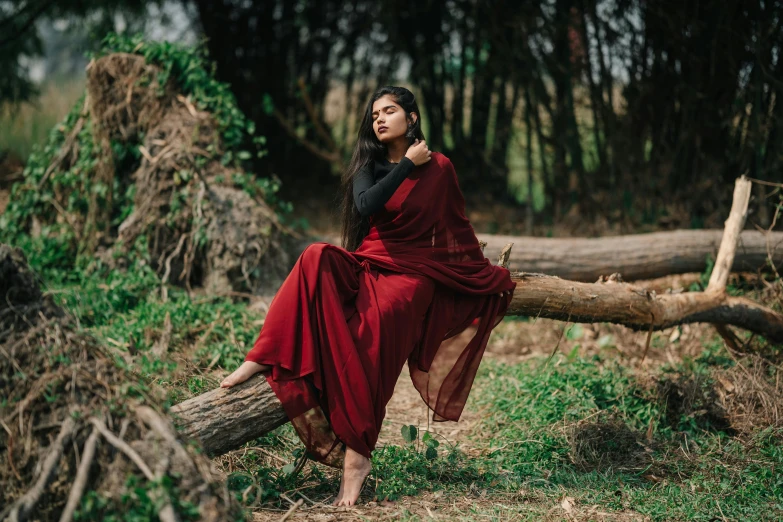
(602, 109)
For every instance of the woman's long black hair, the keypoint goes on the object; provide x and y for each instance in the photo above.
(369, 149)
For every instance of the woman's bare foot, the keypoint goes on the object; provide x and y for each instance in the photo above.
(355, 470)
(243, 373)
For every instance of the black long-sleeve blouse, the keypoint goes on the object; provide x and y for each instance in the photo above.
(376, 183)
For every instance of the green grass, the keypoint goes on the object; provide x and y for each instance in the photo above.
(586, 429)
(535, 417)
(668, 479)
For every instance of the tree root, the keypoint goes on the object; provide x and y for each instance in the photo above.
(82, 474)
(22, 508)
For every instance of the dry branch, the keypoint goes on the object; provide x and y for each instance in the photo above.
(636, 307)
(82, 474)
(23, 508)
(39, 478)
(731, 232)
(166, 513)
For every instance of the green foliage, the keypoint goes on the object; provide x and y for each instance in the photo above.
(192, 72)
(61, 203)
(142, 501)
(689, 463)
(55, 245)
(409, 433)
(125, 310)
(403, 471)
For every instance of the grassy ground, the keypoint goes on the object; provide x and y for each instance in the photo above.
(595, 431)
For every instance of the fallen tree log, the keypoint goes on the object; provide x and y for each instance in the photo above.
(539, 295)
(223, 419)
(638, 256)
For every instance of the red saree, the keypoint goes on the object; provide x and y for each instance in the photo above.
(343, 324)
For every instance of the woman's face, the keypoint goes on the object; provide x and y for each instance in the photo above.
(388, 119)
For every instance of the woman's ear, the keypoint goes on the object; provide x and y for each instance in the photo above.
(414, 117)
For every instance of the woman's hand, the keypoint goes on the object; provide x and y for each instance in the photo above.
(418, 153)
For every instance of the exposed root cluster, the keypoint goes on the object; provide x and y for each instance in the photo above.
(74, 424)
(201, 228)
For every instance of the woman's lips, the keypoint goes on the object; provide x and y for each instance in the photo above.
(382, 129)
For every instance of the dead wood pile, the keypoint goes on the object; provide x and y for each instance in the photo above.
(73, 422)
(201, 228)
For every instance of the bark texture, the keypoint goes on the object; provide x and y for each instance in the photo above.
(639, 256)
(224, 419)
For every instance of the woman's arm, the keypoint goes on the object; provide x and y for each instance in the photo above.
(370, 197)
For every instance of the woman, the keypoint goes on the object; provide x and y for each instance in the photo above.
(409, 276)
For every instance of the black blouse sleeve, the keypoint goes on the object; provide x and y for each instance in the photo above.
(370, 197)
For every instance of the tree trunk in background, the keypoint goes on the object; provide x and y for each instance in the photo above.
(596, 99)
(529, 161)
(641, 256)
(701, 93)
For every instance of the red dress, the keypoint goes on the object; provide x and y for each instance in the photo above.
(340, 329)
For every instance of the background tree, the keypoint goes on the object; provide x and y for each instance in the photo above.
(629, 105)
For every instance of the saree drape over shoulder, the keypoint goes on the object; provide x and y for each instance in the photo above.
(343, 324)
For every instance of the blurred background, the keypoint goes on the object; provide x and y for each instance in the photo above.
(562, 117)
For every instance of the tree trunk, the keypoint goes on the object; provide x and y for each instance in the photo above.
(224, 419)
(640, 256)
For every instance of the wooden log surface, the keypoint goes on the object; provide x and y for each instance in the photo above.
(224, 419)
(638, 256)
(539, 295)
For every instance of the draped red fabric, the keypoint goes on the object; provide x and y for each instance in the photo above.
(340, 329)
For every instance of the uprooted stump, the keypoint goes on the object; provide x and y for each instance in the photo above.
(221, 237)
(199, 217)
(75, 425)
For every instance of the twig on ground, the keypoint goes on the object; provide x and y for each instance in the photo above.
(79, 482)
(123, 446)
(166, 512)
(292, 510)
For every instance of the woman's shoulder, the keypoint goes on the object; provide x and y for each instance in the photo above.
(442, 162)
(441, 159)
